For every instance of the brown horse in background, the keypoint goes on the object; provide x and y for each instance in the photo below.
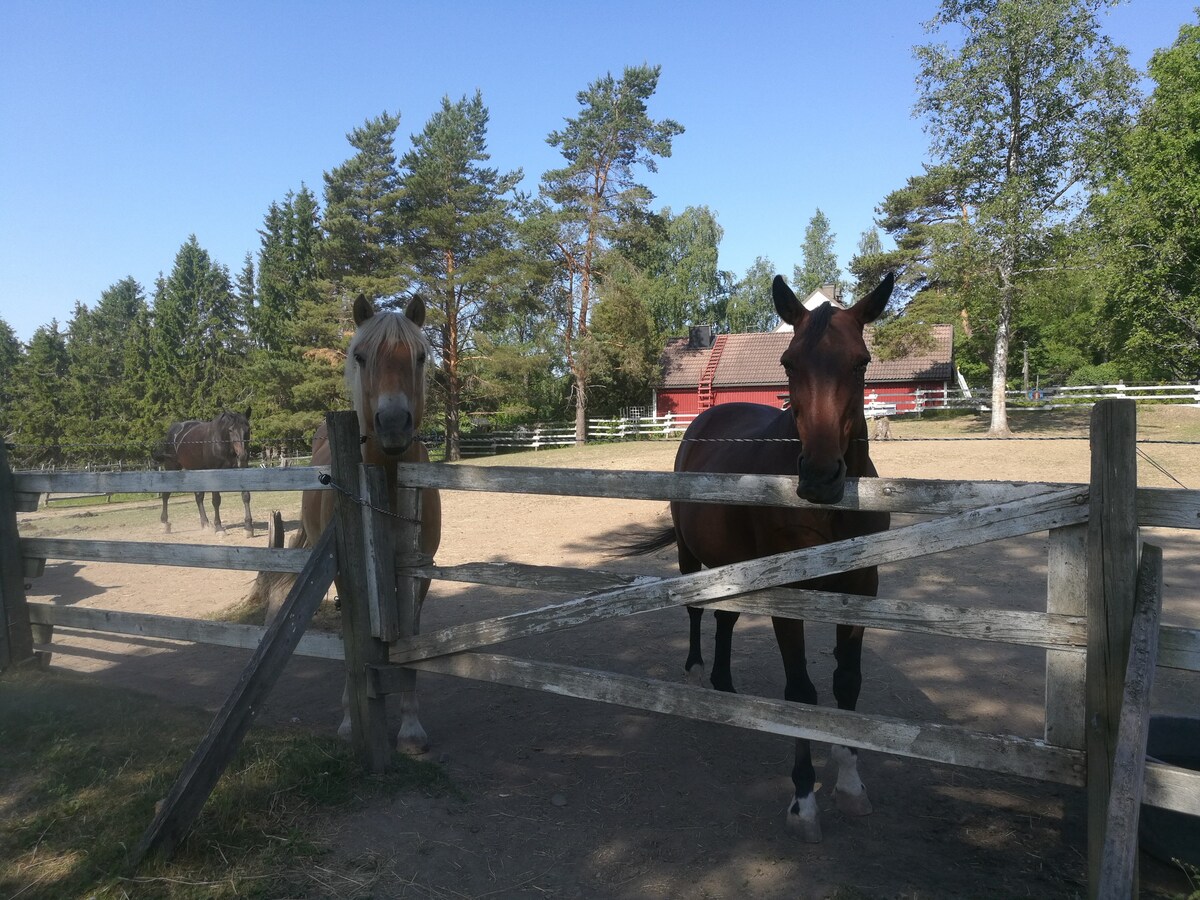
(221, 443)
(821, 437)
(385, 376)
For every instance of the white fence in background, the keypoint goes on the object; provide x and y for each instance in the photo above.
(880, 402)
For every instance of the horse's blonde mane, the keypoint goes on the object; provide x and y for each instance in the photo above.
(384, 329)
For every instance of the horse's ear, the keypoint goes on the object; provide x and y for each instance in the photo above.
(870, 307)
(789, 308)
(363, 309)
(416, 310)
(247, 412)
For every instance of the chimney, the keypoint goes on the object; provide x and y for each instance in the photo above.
(700, 337)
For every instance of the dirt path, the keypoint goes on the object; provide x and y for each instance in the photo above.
(571, 799)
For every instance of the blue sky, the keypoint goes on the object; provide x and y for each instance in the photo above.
(128, 126)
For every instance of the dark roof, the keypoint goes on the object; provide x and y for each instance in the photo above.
(753, 359)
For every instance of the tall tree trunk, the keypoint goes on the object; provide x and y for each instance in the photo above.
(999, 424)
(581, 422)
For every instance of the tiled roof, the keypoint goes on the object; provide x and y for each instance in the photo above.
(753, 359)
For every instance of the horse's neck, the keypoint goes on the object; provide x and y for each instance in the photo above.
(858, 455)
(373, 457)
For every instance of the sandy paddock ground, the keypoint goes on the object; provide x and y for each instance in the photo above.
(574, 799)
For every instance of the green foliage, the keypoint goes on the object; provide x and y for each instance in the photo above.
(820, 264)
(587, 201)
(86, 765)
(623, 347)
(1148, 213)
(361, 252)
(197, 341)
(11, 353)
(751, 307)
(39, 406)
(460, 233)
(1018, 112)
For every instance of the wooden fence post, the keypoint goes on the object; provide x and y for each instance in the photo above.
(1118, 872)
(16, 636)
(368, 714)
(1111, 586)
(1066, 595)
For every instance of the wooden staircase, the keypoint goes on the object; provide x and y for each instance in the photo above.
(710, 371)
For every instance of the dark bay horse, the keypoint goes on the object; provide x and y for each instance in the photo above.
(385, 376)
(822, 438)
(220, 443)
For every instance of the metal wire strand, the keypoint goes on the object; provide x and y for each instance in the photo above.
(327, 479)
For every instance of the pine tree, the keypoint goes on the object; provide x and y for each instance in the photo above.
(459, 231)
(361, 252)
(596, 191)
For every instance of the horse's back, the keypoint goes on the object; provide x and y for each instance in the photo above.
(739, 438)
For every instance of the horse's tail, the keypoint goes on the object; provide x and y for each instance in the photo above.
(271, 588)
(651, 543)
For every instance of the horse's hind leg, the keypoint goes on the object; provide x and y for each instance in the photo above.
(721, 676)
(850, 793)
(803, 814)
(166, 523)
(693, 668)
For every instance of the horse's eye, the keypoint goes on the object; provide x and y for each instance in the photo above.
(421, 359)
(358, 358)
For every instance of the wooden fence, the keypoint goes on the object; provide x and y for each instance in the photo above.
(1096, 689)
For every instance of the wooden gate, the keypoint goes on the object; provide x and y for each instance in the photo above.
(1092, 578)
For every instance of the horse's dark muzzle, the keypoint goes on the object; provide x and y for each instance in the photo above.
(820, 484)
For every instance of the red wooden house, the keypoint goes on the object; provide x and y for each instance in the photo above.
(701, 371)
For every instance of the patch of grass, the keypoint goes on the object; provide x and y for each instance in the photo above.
(96, 500)
(83, 766)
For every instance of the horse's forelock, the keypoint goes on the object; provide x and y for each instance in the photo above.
(376, 333)
(815, 324)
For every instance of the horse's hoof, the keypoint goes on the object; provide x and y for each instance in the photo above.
(167, 529)
(853, 804)
(344, 731)
(694, 675)
(412, 745)
(803, 818)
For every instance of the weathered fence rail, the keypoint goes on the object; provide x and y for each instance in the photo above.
(1085, 563)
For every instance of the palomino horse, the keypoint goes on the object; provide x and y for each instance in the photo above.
(385, 375)
(822, 435)
(221, 443)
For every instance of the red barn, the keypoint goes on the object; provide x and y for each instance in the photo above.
(701, 371)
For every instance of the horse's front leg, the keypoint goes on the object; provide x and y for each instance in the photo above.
(248, 522)
(803, 814)
(166, 523)
(199, 495)
(216, 501)
(850, 793)
(412, 738)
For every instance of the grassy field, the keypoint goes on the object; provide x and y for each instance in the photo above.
(83, 767)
